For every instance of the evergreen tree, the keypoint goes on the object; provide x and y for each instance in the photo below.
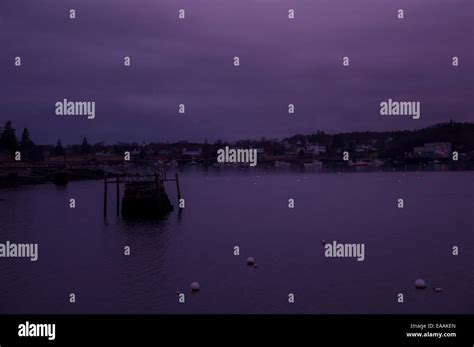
(28, 147)
(59, 149)
(85, 147)
(8, 139)
(26, 143)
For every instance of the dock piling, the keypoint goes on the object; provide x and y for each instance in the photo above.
(177, 185)
(105, 196)
(118, 195)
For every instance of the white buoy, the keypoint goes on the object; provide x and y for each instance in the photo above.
(437, 289)
(195, 286)
(250, 261)
(420, 284)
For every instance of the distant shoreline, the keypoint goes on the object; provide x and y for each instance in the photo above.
(33, 176)
(443, 147)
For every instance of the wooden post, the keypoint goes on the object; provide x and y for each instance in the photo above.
(118, 195)
(157, 182)
(105, 196)
(177, 185)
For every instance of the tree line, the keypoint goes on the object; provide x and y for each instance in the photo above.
(9, 143)
(387, 144)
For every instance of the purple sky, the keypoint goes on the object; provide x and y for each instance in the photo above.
(191, 61)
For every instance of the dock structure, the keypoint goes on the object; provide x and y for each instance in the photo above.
(144, 196)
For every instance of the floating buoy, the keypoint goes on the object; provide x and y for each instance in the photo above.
(420, 284)
(250, 261)
(195, 286)
(437, 289)
(255, 266)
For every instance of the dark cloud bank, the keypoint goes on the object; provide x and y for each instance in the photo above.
(190, 61)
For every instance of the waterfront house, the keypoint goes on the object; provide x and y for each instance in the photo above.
(192, 152)
(319, 149)
(434, 150)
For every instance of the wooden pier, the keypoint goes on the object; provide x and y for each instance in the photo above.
(143, 197)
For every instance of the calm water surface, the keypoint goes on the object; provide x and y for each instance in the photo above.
(78, 253)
